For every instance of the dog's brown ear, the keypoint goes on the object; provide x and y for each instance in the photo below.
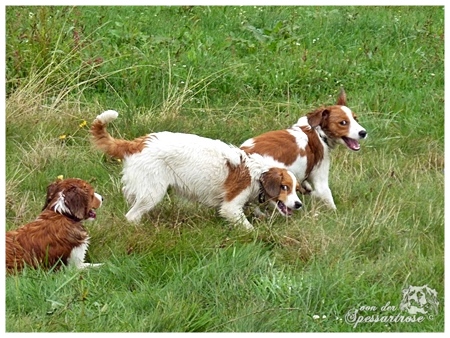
(77, 200)
(316, 117)
(342, 98)
(271, 182)
(52, 189)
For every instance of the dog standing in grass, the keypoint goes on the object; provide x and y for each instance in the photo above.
(201, 169)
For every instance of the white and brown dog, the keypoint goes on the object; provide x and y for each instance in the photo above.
(201, 169)
(304, 148)
(57, 236)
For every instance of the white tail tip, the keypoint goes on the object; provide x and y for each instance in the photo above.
(107, 116)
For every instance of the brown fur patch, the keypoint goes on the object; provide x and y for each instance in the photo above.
(282, 146)
(238, 179)
(279, 144)
(43, 242)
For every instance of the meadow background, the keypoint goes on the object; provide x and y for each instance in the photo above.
(231, 73)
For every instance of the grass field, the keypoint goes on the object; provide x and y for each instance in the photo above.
(231, 73)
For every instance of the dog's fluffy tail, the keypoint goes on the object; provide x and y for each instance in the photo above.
(117, 148)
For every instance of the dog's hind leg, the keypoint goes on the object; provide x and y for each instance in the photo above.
(144, 204)
(139, 208)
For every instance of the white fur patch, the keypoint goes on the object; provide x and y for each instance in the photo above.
(107, 116)
(249, 143)
(77, 255)
(300, 137)
(60, 205)
(348, 111)
(302, 122)
(99, 197)
(292, 198)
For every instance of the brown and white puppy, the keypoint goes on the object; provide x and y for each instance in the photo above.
(204, 170)
(305, 147)
(57, 236)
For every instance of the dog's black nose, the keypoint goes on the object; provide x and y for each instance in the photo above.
(297, 205)
(362, 133)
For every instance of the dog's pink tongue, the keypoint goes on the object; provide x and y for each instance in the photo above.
(92, 214)
(284, 208)
(351, 143)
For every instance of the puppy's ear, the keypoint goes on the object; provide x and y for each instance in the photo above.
(52, 189)
(77, 200)
(271, 182)
(342, 98)
(316, 117)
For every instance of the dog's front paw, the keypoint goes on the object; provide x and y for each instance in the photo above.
(258, 214)
(305, 188)
(89, 265)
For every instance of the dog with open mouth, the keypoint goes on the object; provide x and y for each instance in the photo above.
(201, 169)
(57, 237)
(304, 149)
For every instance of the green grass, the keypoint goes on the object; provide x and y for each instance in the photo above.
(230, 73)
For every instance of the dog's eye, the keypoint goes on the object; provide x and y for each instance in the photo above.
(284, 187)
(343, 123)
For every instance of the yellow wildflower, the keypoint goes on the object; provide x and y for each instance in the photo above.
(60, 177)
(62, 137)
(83, 124)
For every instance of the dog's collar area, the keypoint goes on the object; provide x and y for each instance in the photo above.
(69, 216)
(73, 218)
(262, 195)
(324, 138)
(330, 143)
(65, 213)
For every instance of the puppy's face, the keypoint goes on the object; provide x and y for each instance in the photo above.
(73, 198)
(280, 187)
